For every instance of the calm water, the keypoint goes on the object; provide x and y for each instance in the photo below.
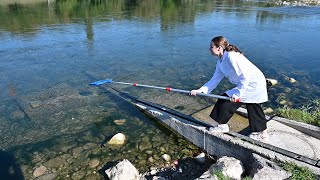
(50, 52)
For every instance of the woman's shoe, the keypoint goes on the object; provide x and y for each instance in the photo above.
(223, 128)
(260, 136)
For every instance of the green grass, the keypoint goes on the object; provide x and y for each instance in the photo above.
(310, 113)
(298, 173)
(220, 175)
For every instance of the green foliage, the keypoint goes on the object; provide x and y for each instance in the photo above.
(221, 176)
(298, 173)
(310, 113)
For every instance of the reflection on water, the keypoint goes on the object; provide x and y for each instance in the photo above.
(50, 116)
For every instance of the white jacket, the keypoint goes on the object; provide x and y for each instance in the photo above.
(249, 80)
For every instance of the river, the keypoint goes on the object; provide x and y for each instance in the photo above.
(51, 50)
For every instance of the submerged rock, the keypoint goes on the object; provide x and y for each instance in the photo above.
(119, 121)
(292, 80)
(271, 82)
(39, 171)
(117, 139)
(166, 157)
(35, 104)
(50, 176)
(94, 163)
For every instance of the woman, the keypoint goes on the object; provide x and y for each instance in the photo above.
(251, 89)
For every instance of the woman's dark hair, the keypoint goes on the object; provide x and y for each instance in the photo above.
(222, 42)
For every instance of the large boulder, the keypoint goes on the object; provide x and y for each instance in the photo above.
(124, 170)
(229, 166)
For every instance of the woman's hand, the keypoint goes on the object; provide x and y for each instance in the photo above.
(235, 98)
(195, 92)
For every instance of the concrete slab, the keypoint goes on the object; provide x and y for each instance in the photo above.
(281, 135)
(288, 138)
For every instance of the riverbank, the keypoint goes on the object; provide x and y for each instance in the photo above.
(23, 2)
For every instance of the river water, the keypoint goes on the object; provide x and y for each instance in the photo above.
(51, 50)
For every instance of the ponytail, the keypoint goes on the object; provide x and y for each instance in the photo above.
(231, 47)
(222, 42)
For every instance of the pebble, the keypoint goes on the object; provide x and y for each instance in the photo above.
(119, 121)
(39, 171)
(35, 104)
(94, 163)
(166, 157)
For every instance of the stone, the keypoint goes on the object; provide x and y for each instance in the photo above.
(57, 161)
(271, 82)
(166, 157)
(292, 80)
(35, 104)
(39, 171)
(50, 176)
(268, 111)
(78, 175)
(262, 168)
(123, 170)
(207, 176)
(269, 173)
(229, 166)
(94, 163)
(201, 158)
(119, 121)
(117, 139)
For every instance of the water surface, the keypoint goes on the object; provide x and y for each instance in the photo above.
(50, 52)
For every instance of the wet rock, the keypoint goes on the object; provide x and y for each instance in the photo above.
(292, 80)
(229, 166)
(35, 104)
(271, 82)
(150, 159)
(57, 161)
(268, 111)
(50, 176)
(283, 102)
(66, 148)
(122, 171)
(39, 171)
(163, 149)
(77, 151)
(201, 158)
(85, 93)
(17, 114)
(89, 146)
(94, 163)
(149, 152)
(145, 145)
(120, 121)
(166, 157)
(78, 175)
(117, 139)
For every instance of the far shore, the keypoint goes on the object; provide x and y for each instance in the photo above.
(8, 2)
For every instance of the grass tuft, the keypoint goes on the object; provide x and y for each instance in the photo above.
(298, 172)
(310, 113)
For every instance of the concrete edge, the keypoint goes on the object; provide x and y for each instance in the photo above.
(308, 129)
